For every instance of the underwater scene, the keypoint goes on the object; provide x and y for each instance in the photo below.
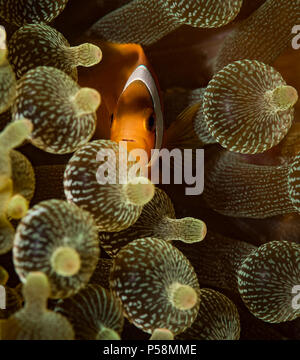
(149, 170)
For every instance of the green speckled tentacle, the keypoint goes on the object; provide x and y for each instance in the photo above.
(236, 188)
(17, 182)
(156, 220)
(247, 107)
(39, 44)
(19, 12)
(147, 21)
(157, 285)
(263, 276)
(49, 98)
(60, 240)
(217, 259)
(116, 205)
(218, 319)
(266, 280)
(264, 35)
(35, 321)
(95, 313)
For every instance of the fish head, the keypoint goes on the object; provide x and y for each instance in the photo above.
(134, 119)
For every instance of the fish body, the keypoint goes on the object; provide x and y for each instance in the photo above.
(139, 115)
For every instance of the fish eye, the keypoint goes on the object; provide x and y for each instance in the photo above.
(151, 123)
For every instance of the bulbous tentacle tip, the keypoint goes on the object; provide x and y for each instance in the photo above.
(284, 97)
(89, 54)
(162, 334)
(108, 334)
(15, 133)
(17, 207)
(139, 191)
(183, 297)
(87, 101)
(194, 230)
(203, 228)
(65, 261)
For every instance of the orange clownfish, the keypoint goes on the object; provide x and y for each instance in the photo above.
(131, 109)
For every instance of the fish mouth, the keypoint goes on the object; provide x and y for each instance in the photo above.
(129, 140)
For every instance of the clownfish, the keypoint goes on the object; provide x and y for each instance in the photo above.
(131, 107)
